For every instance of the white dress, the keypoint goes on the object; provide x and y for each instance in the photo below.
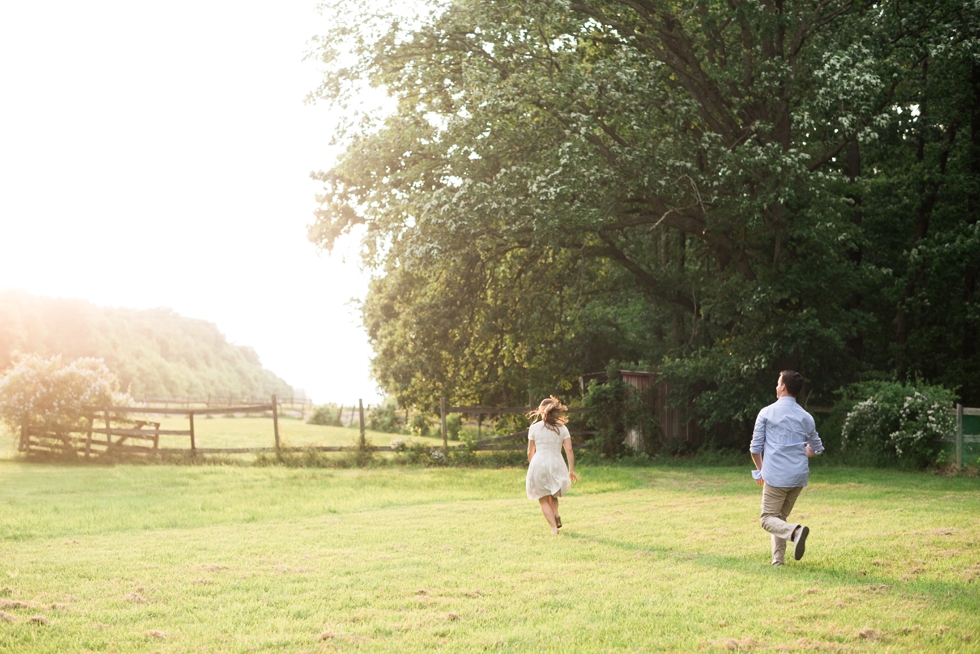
(547, 473)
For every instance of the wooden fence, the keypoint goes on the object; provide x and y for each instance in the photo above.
(960, 436)
(122, 435)
(138, 437)
(214, 401)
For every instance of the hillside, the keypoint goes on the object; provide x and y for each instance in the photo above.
(153, 352)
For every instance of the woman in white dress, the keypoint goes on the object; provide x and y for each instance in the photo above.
(547, 476)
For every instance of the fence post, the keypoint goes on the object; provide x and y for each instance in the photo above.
(362, 444)
(190, 414)
(108, 432)
(275, 420)
(959, 435)
(88, 438)
(442, 413)
(24, 434)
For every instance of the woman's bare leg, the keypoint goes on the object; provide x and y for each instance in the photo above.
(548, 512)
(554, 507)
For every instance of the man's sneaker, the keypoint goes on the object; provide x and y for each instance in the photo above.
(799, 545)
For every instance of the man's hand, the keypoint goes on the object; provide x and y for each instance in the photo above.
(760, 482)
(810, 453)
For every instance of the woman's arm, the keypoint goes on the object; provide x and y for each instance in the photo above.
(530, 451)
(570, 455)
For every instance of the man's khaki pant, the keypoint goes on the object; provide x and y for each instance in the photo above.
(776, 506)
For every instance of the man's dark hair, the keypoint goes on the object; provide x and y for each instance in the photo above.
(793, 382)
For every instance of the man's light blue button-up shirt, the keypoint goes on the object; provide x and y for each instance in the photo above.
(782, 432)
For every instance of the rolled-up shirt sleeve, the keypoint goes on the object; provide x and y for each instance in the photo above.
(758, 443)
(813, 439)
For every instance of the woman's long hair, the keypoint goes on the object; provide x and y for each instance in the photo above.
(550, 413)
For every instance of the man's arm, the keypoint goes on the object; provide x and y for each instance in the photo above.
(757, 460)
(814, 445)
(758, 445)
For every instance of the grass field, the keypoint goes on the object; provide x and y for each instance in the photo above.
(269, 559)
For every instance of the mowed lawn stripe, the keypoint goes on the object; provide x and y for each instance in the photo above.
(415, 560)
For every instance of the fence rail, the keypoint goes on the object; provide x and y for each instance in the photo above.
(222, 400)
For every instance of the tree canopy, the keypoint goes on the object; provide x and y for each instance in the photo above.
(717, 190)
(154, 352)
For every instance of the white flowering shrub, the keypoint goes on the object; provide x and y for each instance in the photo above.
(904, 422)
(48, 395)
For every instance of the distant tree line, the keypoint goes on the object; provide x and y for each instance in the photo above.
(153, 352)
(715, 190)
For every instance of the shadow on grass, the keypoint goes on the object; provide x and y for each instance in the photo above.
(962, 595)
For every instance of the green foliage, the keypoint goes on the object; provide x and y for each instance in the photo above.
(384, 418)
(155, 352)
(326, 415)
(48, 394)
(605, 404)
(898, 422)
(419, 425)
(723, 189)
(454, 425)
(510, 423)
(613, 408)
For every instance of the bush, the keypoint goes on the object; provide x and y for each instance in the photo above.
(419, 425)
(454, 425)
(49, 395)
(383, 418)
(327, 415)
(898, 423)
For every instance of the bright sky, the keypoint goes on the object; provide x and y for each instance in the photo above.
(158, 155)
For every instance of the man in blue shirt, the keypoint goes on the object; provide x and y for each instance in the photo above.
(784, 439)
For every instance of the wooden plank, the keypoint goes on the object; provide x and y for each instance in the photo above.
(498, 439)
(518, 434)
(144, 432)
(971, 411)
(155, 410)
(255, 408)
(327, 448)
(967, 438)
(497, 410)
(272, 450)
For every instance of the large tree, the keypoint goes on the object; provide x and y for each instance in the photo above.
(719, 189)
